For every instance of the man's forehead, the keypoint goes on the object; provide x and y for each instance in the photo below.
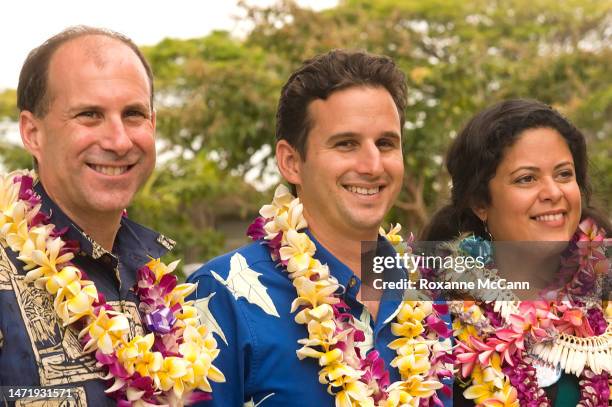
(72, 59)
(87, 48)
(340, 106)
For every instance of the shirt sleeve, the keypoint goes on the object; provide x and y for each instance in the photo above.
(221, 313)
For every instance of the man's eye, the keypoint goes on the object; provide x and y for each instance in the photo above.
(90, 114)
(386, 143)
(345, 144)
(132, 113)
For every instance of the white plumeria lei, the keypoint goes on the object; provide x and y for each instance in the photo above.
(355, 379)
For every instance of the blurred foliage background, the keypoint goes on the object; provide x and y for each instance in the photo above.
(216, 99)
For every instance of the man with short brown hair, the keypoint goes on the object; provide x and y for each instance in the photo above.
(87, 118)
(339, 144)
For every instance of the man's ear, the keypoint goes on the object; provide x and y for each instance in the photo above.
(289, 162)
(31, 134)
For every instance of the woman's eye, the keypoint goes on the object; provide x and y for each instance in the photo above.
(525, 179)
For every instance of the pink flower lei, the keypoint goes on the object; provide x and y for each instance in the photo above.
(171, 365)
(492, 352)
(353, 377)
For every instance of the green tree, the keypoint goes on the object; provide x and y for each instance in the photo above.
(460, 57)
(216, 96)
(12, 156)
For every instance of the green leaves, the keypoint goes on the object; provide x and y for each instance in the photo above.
(8, 105)
(217, 96)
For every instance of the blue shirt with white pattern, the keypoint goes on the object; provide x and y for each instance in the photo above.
(258, 336)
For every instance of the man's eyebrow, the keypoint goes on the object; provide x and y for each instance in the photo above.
(340, 136)
(391, 134)
(84, 106)
(137, 106)
(350, 134)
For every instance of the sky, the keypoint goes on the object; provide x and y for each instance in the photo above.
(26, 24)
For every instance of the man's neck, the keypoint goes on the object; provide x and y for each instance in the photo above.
(102, 230)
(346, 247)
(101, 227)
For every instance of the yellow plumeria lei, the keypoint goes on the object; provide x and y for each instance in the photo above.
(354, 379)
(143, 375)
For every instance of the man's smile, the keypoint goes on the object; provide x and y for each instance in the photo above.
(112, 170)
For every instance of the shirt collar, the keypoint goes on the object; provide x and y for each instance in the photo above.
(150, 244)
(390, 301)
(345, 275)
(339, 270)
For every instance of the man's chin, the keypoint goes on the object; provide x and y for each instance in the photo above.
(368, 224)
(111, 203)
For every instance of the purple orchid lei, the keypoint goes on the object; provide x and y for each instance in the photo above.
(523, 377)
(163, 309)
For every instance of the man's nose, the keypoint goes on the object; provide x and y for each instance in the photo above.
(116, 137)
(370, 160)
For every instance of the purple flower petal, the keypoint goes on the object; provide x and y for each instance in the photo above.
(167, 284)
(160, 321)
(197, 396)
(59, 232)
(25, 188)
(274, 246)
(441, 308)
(40, 219)
(359, 336)
(104, 358)
(146, 277)
(256, 229)
(439, 326)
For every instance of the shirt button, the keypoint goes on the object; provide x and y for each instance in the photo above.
(353, 282)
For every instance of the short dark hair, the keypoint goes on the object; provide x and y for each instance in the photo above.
(32, 90)
(324, 74)
(475, 154)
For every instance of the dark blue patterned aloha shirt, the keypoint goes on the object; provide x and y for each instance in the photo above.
(35, 350)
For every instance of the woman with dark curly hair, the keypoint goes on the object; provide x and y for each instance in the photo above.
(519, 174)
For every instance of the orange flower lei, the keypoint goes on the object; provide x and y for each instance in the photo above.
(494, 339)
(142, 376)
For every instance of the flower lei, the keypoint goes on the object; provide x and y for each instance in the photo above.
(353, 378)
(493, 339)
(165, 367)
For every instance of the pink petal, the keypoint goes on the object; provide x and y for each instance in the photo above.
(197, 396)
(441, 308)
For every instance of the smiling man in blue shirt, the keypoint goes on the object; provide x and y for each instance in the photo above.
(339, 130)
